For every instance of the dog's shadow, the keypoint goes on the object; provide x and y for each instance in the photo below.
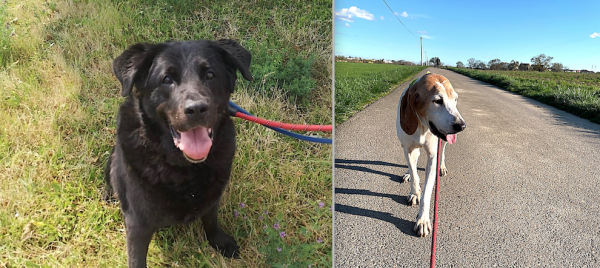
(403, 225)
(353, 165)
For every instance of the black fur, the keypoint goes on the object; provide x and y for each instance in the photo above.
(155, 183)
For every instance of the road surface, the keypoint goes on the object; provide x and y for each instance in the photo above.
(523, 188)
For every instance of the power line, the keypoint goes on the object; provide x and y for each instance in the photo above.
(398, 18)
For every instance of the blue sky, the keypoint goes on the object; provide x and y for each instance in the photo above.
(455, 31)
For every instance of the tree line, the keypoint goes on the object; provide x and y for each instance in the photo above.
(379, 61)
(540, 63)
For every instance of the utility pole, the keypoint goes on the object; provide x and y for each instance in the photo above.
(426, 59)
(421, 50)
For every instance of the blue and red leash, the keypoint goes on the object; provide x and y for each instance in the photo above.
(237, 111)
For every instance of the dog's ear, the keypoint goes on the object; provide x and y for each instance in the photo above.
(239, 56)
(133, 64)
(408, 115)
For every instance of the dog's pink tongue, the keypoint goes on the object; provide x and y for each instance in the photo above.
(195, 143)
(451, 138)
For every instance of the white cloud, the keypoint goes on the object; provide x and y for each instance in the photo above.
(347, 24)
(403, 14)
(427, 37)
(381, 18)
(348, 14)
(412, 16)
(344, 17)
(594, 35)
(422, 32)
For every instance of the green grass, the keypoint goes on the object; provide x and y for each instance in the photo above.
(575, 93)
(581, 79)
(359, 84)
(58, 105)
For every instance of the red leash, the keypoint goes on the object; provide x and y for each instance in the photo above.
(437, 194)
(323, 128)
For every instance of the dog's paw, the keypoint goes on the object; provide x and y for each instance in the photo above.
(406, 177)
(423, 227)
(413, 199)
(226, 245)
(443, 171)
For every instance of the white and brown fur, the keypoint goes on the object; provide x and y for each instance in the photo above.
(427, 110)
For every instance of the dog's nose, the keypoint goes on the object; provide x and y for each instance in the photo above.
(195, 108)
(459, 126)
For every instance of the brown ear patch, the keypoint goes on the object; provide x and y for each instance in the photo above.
(408, 116)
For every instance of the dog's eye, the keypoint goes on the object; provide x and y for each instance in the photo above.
(210, 75)
(167, 80)
(439, 101)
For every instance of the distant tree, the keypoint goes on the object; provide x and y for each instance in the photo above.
(541, 62)
(504, 66)
(513, 65)
(479, 65)
(472, 62)
(459, 64)
(435, 61)
(494, 64)
(557, 67)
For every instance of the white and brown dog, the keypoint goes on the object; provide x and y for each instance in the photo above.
(427, 111)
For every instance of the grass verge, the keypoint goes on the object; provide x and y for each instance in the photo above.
(578, 94)
(58, 103)
(359, 84)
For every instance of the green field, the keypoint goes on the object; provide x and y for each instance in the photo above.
(58, 103)
(576, 93)
(358, 84)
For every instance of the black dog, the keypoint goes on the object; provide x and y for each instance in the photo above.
(175, 142)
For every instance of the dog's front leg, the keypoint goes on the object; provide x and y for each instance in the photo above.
(415, 189)
(138, 240)
(423, 226)
(443, 169)
(216, 237)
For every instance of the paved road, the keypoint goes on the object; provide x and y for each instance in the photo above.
(523, 188)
